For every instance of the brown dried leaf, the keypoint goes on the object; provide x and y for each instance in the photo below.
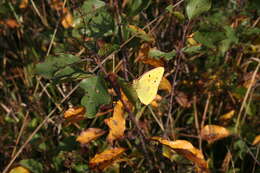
(185, 149)
(227, 116)
(256, 140)
(23, 4)
(106, 158)
(212, 133)
(89, 135)
(248, 77)
(182, 99)
(226, 161)
(116, 123)
(165, 85)
(152, 61)
(144, 58)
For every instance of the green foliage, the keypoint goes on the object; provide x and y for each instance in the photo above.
(159, 54)
(32, 165)
(95, 94)
(56, 67)
(196, 7)
(209, 50)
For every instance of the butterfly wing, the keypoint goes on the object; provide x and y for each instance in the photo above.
(147, 85)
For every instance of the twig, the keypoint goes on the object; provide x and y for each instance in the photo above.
(246, 96)
(20, 133)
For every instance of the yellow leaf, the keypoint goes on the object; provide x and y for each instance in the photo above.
(106, 158)
(256, 140)
(75, 114)
(227, 116)
(185, 149)
(116, 123)
(165, 85)
(212, 133)
(75, 111)
(23, 4)
(67, 20)
(19, 169)
(89, 135)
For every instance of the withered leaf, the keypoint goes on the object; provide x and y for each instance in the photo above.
(227, 116)
(185, 149)
(89, 135)
(23, 4)
(165, 85)
(106, 158)
(75, 111)
(256, 140)
(67, 20)
(116, 123)
(182, 99)
(212, 133)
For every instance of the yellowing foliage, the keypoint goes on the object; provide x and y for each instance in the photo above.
(89, 135)
(116, 123)
(212, 133)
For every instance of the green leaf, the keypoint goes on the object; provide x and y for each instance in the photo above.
(196, 7)
(209, 39)
(91, 6)
(54, 64)
(33, 165)
(177, 14)
(95, 94)
(134, 7)
(140, 33)
(159, 54)
(192, 49)
(68, 144)
(107, 49)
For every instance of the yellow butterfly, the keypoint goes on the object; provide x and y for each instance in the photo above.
(147, 85)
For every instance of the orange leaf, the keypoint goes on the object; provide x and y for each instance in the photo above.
(185, 149)
(106, 158)
(116, 123)
(67, 20)
(256, 140)
(227, 116)
(74, 114)
(11, 23)
(212, 133)
(165, 85)
(23, 4)
(75, 111)
(89, 135)
(57, 5)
